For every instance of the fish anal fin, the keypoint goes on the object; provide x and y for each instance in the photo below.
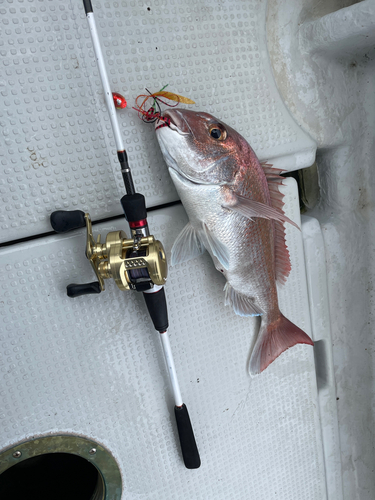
(242, 305)
(187, 246)
(273, 339)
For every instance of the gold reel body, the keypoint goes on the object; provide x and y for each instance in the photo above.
(119, 256)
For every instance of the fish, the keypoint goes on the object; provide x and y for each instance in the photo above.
(235, 212)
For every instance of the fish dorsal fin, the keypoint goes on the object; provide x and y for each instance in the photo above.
(187, 246)
(219, 250)
(282, 258)
(242, 305)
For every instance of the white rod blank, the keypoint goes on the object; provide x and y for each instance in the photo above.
(105, 82)
(171, 368)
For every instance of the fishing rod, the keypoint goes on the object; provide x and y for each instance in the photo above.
(136, 263)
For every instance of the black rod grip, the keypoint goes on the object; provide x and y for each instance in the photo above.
(134, 207)
(157, 308)
(189, 448)
(87, 5)
(73, 290)
(67, 220)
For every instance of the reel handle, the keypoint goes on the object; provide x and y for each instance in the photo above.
(63, 221)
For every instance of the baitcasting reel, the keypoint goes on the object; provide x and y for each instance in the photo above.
(138, 263)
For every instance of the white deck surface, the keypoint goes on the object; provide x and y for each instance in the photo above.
(94, 366)
(58, 150)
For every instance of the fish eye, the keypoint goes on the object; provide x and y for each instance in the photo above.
(218, 132)
(215, 133)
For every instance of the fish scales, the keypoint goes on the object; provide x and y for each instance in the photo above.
(235, 213)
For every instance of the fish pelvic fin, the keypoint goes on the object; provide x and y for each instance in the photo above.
(187, 246)
(242, 305)
(273, 339)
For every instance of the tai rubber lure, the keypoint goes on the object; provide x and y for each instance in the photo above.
(154, 112)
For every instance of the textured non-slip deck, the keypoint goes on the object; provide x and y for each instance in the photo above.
(94, 366)
(57, 149)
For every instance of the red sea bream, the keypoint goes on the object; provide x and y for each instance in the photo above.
(235, 213)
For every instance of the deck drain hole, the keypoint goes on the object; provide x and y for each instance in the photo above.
(52, 475)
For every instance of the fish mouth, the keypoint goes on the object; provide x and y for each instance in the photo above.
(176, 122)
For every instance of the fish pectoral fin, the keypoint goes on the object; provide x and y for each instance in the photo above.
(242, 305)
(250, 208)
(187, 246)
(219, 250)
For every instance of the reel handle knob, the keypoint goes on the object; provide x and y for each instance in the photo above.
(63, 221)
(73, 290)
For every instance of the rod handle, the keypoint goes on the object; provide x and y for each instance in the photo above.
(134, 207)
(157, 307)
(189, 447)
(63, 221)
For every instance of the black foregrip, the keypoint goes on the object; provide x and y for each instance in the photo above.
(157, 308)
(87, 5)
(189, 448)
(73, 290)
(134, 207)
(65, 220)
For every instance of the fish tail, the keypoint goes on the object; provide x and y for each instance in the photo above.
(274, 338)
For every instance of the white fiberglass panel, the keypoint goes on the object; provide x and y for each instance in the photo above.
(57, 147)
(94, 366)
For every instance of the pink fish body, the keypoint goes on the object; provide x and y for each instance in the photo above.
(235, 213)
